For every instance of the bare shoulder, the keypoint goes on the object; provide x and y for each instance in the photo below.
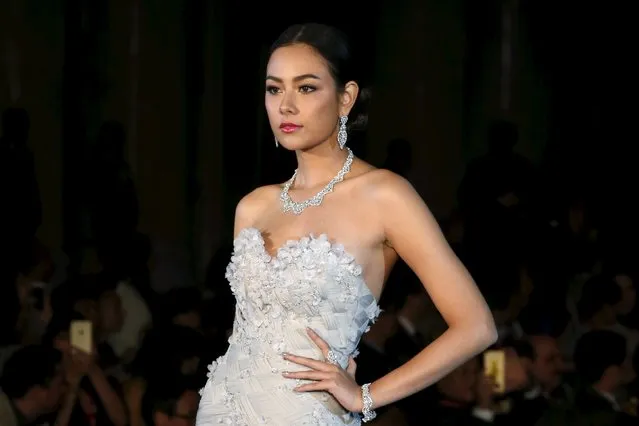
(384, 186)
(397, 205)
(253, 204)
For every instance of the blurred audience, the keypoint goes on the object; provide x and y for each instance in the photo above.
(564, 300)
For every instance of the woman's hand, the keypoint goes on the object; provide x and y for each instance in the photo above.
(486, 392)
(79, 366)
(328, 377)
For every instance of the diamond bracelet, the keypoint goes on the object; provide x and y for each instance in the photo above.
(367, 402)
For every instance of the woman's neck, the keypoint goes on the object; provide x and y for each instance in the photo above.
(317, 166)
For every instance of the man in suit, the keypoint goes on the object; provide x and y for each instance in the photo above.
(599, 359)
(543, 367)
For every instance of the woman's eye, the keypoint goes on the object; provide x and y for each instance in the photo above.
(307, 89)
(272, 90)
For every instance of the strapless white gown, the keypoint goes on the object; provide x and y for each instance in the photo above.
(311, 282)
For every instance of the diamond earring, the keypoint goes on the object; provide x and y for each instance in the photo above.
(342, 135)
(277, 143)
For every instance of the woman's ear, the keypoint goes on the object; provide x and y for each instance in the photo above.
(348, 97)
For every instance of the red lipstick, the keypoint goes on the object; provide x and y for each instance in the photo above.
(289, 127)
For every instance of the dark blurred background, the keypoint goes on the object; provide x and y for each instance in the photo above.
(131, 128)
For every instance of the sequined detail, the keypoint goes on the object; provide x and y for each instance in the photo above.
(310, 282)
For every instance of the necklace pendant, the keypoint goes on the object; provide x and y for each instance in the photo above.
(297, 208)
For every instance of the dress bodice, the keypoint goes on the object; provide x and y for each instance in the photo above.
(310, 282)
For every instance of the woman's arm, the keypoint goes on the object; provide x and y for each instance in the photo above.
(111, 401)
(413, 232)
(134, 391)
(68, 403)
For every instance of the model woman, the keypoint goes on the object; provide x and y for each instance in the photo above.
(311, 257)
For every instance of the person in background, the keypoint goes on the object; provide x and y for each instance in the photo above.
(32, 385)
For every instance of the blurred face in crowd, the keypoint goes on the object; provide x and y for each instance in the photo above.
(88, 309)
(191, 319)
(47, 397)
(190, 365)
(548, 366)
(184, 413)
(111, 312)
(628, 294)
(54, 392)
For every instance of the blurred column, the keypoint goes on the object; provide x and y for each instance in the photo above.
(418, 93)
(122, 62)
(31, 49)
(209, 218)
(165, 85)
(160, 139)
(505, 82)
(530, 99)
(11, 62)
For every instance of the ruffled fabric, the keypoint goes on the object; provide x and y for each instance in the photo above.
(309, 282)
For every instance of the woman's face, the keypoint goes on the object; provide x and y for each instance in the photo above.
(302, 100)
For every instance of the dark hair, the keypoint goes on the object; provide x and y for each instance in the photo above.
(524, 348)
(164, 396)
(335, 48)
(29, 367)
(600, 290)
(60, 323)
(596, 351)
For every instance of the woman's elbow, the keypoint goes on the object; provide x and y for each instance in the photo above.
(481, 332)
(486, 331)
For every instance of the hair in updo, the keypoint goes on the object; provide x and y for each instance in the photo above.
(334, 47)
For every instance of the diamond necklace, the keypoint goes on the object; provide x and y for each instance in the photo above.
(297, 208)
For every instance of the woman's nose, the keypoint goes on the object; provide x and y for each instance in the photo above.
(288, 104)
